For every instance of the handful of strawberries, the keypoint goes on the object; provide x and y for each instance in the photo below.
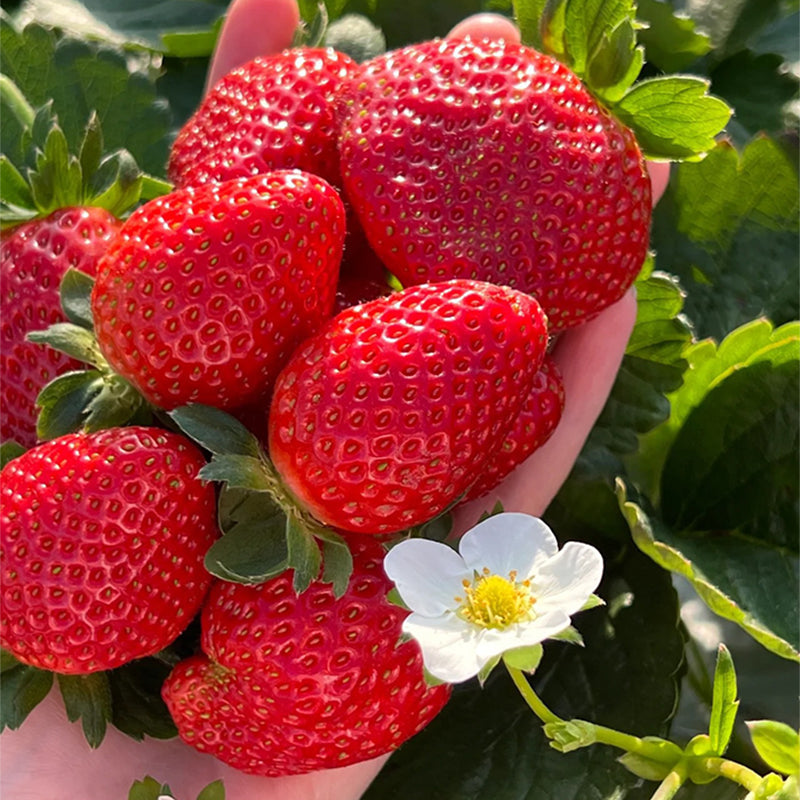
(484, 179)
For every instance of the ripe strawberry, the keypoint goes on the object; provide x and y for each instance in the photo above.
(207, 290)
(537, 419)
(33, 258)
(489, 160)
(102, 544)
(296, 683)
(274, 112)
(385, 417)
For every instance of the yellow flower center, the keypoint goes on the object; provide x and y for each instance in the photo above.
(492, 601)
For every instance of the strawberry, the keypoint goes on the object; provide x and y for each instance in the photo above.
(491, 161)
(207, 290)
(537, 419)
(101, 546)
(385, 417)
(274, 112)
(33, 258)
(296, 683)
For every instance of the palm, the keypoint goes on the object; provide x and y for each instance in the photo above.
(588, 358)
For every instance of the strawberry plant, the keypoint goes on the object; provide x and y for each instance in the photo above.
(355, 352)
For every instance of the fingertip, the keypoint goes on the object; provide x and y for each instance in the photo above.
(252, 28)
(659, 178)
(486, 26)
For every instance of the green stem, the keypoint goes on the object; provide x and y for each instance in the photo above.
(733, 771)
(530, 697)
(669, 787)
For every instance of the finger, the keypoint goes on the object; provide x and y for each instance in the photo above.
(588, 358)
(252, 28)
(659, 178)
(486, 26)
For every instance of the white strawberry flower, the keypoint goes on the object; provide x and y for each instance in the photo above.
(508, 587)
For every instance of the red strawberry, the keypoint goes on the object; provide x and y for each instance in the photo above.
(207, 290)
(33, 258)
(538, 418)
(102, 544)
(274, 112)
(385, 417)
(297, 683)
(489, 160)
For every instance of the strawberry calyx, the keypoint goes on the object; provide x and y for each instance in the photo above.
(266, 529)
(88, 399)
(50, 177)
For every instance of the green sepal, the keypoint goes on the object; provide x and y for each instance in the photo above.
(687, 131)
(524, 658)
(217, 431)
(487, 669)
(305, 557)
(568, 735)
(496, 509)
(777, 744)
(698, 749)
(312, 34)
(88, 698)
(148, 789)
(22, 689)
(394, 597)
(238, 472)
(87, 400)
(214, 791)
(616, 63)
(75, 292)
(594, 601)
(643, 767)
(337, 565)
(430, 679)
(250, 552)
(9, 451)
(570, 635)
(436, 529)
(724, 703)
(73, 340)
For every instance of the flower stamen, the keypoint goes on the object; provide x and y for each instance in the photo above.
(493, 601)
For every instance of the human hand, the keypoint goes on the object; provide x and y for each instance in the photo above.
(49, 758)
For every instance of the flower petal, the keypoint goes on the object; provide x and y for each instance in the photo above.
(448, 646)
(566, 580)
(427, 574)
(495, 642)
(507, 542)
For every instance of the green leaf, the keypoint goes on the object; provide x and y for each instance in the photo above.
(486, 743)
(727, 226)
(777, 744)
(337, 561)
(615, 64)
(529, 15)
(88, 698)
(736, 453)
(670, 39)
(749, 583)
(21, 690)
(250, 552)
(126, 22)
(759, 89)
(137, 708)
(76, 298)
(673, 117)
(305, 557)
(590, 23)
(216, 431)
(724, 704)
(649, 768)
(82, 76)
